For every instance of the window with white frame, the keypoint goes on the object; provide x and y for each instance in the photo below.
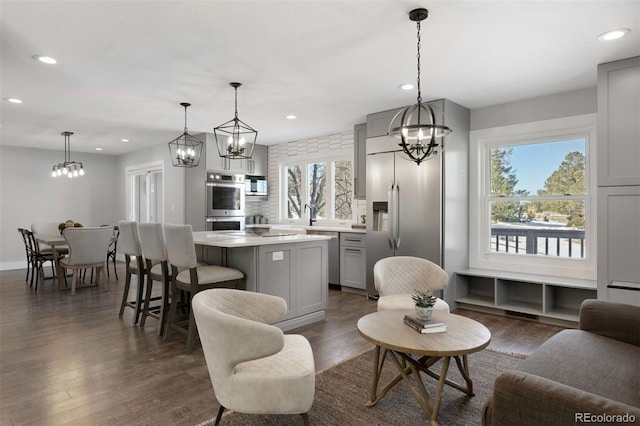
(532, 207)
(321, 182)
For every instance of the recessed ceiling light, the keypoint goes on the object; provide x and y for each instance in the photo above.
(15, 100)
(98, 149)
(291, 117)
(124, 140)
(45, 59)
(406, 86)
(614, 34)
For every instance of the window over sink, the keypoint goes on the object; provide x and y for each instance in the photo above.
(326, 183)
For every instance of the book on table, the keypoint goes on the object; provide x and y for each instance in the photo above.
(431, 325)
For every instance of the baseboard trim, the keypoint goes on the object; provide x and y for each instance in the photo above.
(9, 266)
(300, 321)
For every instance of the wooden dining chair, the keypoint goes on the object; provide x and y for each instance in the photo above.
(87, 249)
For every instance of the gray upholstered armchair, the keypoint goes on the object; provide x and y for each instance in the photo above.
(397, 277)
(254, 367)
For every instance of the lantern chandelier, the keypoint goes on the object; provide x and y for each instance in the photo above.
(185, 149)
(69, 168)
(421, 136)
(235, 139)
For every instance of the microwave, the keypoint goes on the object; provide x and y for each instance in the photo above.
(255, 186)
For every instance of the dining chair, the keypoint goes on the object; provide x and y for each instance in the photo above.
(113, 250)
(397, 277)
(87, 249)
(188, 276)
(129, 244)
(154, 248)
(254, 367)
(39, 258)
(28, 255)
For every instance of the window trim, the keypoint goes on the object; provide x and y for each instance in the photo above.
(338, 155)
(583, 126)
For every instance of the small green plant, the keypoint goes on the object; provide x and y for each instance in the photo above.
(425, 299)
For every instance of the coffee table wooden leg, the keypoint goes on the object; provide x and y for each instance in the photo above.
(441, 382)
(376, 377)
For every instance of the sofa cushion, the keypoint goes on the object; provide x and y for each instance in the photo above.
(591, 363)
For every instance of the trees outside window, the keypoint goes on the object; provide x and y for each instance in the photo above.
(325, 184)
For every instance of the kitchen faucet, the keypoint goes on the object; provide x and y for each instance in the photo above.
(312, 213)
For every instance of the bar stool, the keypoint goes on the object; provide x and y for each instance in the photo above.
(181, 251)
(154, 247)
(129, 245)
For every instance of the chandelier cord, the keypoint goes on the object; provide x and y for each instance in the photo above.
(418, 56)
(236, 103)
(185, 119)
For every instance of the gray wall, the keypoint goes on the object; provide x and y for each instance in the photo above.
(29, 194)
(559, 105)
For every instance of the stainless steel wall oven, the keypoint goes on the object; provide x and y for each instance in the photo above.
(225, 198)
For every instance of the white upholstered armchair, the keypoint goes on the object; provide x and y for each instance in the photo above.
(397, 277)
(254, 367)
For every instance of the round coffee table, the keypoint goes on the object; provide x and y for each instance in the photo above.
(412, 352)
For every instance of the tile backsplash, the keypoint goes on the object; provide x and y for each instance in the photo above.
(284, 151)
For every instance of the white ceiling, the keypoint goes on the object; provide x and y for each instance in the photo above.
(124, 66)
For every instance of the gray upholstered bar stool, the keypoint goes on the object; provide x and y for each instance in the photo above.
(154, 247)
(192, 278)
(129, 244)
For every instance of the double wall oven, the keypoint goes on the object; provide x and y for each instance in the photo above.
(225, 202)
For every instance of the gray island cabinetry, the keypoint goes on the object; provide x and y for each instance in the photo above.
(294, 267)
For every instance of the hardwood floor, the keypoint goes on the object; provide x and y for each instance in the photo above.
(71, 360)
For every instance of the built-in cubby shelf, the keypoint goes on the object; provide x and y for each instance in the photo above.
(547, 297)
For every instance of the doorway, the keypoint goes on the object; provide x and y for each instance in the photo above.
(145, 192)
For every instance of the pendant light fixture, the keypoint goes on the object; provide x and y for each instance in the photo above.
(421, 136)
(185, 149)
(68, 168)
(235, 139)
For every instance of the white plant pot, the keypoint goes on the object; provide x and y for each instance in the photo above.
(423, 312)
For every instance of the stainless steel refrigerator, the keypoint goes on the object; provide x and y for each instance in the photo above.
(419, 210)
(404, 208)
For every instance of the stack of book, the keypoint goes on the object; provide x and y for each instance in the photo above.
(431, 325)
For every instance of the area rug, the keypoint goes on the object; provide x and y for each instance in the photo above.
(343, 390)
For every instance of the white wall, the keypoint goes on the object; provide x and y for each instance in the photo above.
(29, 194)
(567, 104)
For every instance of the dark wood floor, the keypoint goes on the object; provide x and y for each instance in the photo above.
(71, 360)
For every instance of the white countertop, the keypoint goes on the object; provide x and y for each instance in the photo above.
(230, 239)
(283, 226)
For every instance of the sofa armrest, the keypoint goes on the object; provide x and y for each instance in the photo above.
(525, 399)
(614, 320)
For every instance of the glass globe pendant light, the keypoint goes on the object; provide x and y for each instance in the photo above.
(421, 135)
(235, 139)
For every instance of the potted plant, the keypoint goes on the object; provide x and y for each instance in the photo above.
(424, 301)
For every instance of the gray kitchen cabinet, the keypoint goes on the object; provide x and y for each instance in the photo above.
(220, 164)
(378, 123)
(360, 161)
(619, 181)
(257, 165)
(297, 273)
(619, 244)
(619, 122)
(353, 260)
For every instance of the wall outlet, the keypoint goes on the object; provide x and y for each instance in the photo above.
(277, 255)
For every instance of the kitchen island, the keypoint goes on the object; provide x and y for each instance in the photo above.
(292, 266)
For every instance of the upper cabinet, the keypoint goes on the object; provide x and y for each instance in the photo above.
(257, 165)
(619, 122)
(360, 161)
(378, 123)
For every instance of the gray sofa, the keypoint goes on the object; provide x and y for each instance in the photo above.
(577, 376)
